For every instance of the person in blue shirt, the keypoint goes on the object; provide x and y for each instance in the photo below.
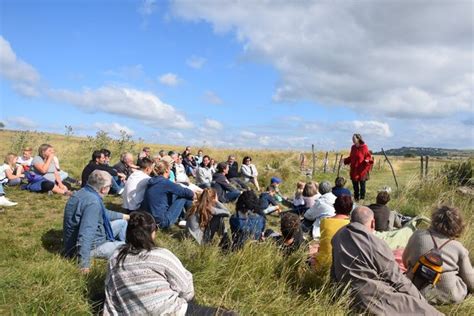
(267, 202)
(246, 224)
(89, 229)
(339, 189)
(165, 200)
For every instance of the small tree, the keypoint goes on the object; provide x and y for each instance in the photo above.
(2, 125)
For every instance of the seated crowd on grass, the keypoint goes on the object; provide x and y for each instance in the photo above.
(195, 194)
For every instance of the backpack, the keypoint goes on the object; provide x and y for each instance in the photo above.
(429, 266)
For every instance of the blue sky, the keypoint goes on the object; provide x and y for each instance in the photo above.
(241, 74)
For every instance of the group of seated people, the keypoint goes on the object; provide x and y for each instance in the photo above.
(158, 193)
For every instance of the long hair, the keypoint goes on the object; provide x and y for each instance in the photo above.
(203, 207)
(359, 138)
(9, 158)
(202, 163)
(138, 237)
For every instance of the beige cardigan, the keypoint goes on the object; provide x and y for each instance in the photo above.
(457, 281)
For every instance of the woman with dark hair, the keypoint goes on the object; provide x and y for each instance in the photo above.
(457, 278)
(329, 227)
(249, 172)
(204, 173)
(145, 279)
(206, 218)
(360, 161)
(246, 223)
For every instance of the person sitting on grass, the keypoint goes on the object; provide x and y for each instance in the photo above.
(171, 285)
(125, 165)
(385, 219)
(136, 185)
(329, 227)
(366, 264)
(225, 191)
(43, 165)
(190, 165)
(310, 194)
(206, 218)
(291, 237)
(145, 153)
(246, 224)
(165, 200)
(323, 207)
(339, 189)
(457, 278)
(204, 173)
(3, 199)
(98, 162)
(10, 173)
(267, 202)
(275, 183)
(249, 172)
(26, 159)
(89, 229)
(233, 174)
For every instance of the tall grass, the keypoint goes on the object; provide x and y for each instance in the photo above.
(34, 279)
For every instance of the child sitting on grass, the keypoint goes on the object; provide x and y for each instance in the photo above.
(267, 202)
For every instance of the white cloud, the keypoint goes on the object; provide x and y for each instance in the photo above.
(132, 103)
(114, 129)
(23, 76)
(147, 7)
(247, 134)
(195, 62)
(372, 128)
(213, 124)
(169, 79)
(350, 54)
(173, 136)
(21, 122)
(212, 98)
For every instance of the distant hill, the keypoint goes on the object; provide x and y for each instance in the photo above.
(428, 151)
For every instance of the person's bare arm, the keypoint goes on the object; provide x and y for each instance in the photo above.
(44, 167)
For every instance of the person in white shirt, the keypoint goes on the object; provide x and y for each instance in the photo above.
(10, 173)
(136, 184)
(204, 173)
(249, 172)
(26, 160)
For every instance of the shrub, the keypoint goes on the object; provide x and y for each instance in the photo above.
(459, 173)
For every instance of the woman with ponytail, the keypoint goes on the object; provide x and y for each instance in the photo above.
(206, 218)
(143, 278)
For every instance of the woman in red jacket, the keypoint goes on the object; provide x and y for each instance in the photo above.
(361, 162)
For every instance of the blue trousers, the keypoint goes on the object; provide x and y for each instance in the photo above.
(174, 212)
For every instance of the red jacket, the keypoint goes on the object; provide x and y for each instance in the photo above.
(357, 160)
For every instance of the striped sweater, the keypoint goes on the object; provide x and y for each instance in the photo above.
(152, 282)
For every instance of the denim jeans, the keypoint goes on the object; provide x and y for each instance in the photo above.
(231, 196)
(13, 182)
(2, 192)
(119, 228)
(174, 212)
(116, 185)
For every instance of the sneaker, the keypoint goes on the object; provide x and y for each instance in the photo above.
(6, 202)
(120, 191)
(182, 223)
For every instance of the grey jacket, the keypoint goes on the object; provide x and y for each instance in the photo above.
(192, 223)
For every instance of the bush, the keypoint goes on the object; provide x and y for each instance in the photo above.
(459, 173)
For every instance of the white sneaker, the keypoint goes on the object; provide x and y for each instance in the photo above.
(182, 224)
(121, 191)
(6, 202)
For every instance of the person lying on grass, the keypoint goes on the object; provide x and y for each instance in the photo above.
(246, 224)
(163, 285)
(206, 218)
(367, 265)
(89, 229)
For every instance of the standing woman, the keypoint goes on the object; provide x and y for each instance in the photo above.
(361, 162)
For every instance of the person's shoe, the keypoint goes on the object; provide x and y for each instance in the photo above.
(6, 202)
(182, 223)
(120, 191)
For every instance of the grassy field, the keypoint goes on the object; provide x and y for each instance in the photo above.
(34, 279)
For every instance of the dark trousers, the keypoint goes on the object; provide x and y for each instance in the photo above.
(359, 189)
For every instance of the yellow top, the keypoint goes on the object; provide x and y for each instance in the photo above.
(329, 227)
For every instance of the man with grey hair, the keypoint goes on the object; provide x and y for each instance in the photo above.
(367, 264)
(126, 165)
(323, 207)
(89, 229)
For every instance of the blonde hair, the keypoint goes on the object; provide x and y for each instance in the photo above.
(161, 167)
(203, 207)
(9, 159)
(299, 188)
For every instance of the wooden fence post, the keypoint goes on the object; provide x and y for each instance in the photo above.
(335, 163)
(393, 171)
(325, 162)
(421, 167)
(426, 165)
(314, 162)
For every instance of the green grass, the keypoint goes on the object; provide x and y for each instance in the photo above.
(34, 279)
